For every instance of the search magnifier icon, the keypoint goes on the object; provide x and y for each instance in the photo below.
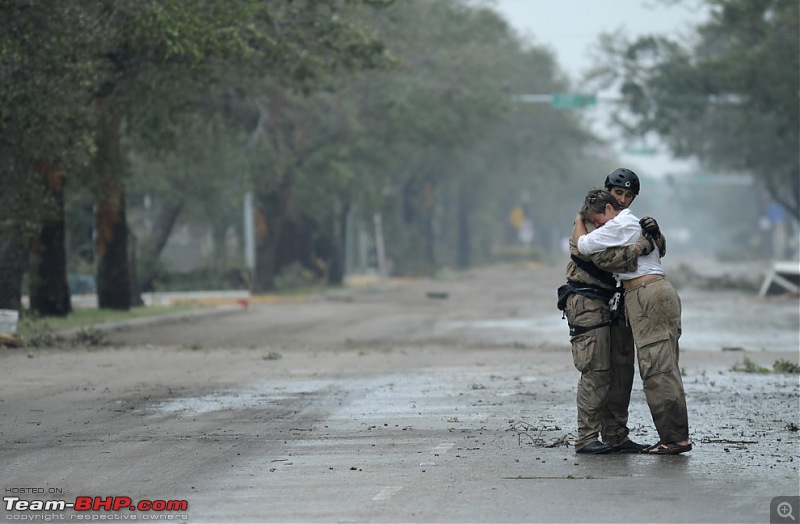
(785, 510)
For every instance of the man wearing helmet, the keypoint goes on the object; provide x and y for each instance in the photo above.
(601, 340)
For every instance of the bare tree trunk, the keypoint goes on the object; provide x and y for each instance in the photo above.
(12, 268)
(167, 216)
(113, 275)
(272, 206)
(49, 290)
(336, 261)
(219, 233)
(419, 258)
(13, 242)
(464, 233)
(427, 226)
(271, 213)
(136, 290)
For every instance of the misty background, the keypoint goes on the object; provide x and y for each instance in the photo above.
(276, 145)
(704, 210)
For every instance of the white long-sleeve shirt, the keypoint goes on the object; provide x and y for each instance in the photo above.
(622, 230)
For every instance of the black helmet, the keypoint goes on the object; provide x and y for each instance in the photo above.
(622, 177)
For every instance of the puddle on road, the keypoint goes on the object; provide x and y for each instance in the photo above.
(239, 399)
(762, 329)
(384, 397)
(537, 330)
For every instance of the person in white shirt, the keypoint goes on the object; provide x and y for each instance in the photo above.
(653, 309)
(600, 338)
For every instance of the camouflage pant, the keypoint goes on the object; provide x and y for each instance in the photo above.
(604, 356)
(654, 312)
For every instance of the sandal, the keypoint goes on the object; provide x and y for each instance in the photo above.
(668, 448)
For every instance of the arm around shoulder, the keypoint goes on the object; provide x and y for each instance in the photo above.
(620, 259)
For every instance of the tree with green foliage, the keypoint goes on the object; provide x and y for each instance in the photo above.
(285, 48)
(79, 80)
(727, 97)
(369, 140)
(159, 59)
(466, 145)
(157, 62)
(47, 69)
(320, 39)
(325, 110)
(410, 143)
(445, 94)
(199, 178)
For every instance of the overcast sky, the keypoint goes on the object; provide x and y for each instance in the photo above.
(570, 29)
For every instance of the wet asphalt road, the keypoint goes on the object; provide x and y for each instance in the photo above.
(472, 445)
(382, 405)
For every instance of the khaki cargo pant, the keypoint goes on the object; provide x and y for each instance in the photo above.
(604, 356)
(654, 312)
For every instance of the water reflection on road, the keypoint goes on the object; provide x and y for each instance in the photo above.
(711, 321)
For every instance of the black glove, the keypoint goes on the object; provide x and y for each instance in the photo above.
(645, 243)
(661, 243)
(650, 225)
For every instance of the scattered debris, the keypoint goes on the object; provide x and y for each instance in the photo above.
(90, 336)
(525, 429)
(748, 366)
(779, 366)
(708, 440)
(44, 340)
(783, 277)
(565, 440)
(784, 366)
(9, 340)
(87, 337)
(567, 477)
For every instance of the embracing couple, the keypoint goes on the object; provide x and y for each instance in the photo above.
(617, 297)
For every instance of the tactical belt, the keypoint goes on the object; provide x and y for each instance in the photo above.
(589, 291)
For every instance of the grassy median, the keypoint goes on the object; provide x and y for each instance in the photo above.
(30, 325)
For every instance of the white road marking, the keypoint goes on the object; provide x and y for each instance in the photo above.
(387, 492)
